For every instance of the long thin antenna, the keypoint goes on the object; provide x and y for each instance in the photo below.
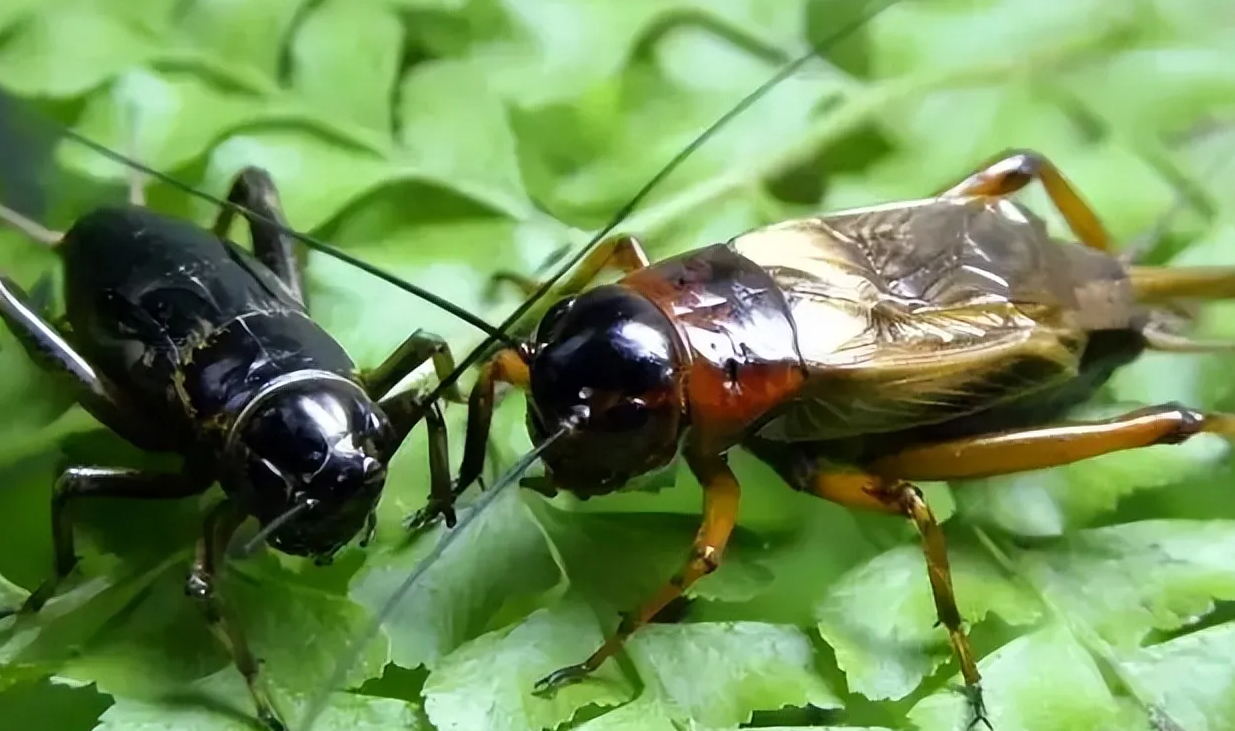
(496, 334)
(29, 227)
(375, 626)
(749, 100)
(493, 334)
(137, 181)
(250, 546)
(487, 498)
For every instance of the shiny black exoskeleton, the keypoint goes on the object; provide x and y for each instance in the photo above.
(199, 338)
(180, 341)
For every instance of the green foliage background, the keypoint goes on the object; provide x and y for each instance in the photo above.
(443, 139)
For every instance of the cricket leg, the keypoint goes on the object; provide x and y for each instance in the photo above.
(504, 367)
(620, 252)
(254, 190)
(220, 524)
(83, 482)
(412, 353)
(1164, 284)
(29, 227)
(868, 491)
(1012, 170)
(49, 349)
(720, 508)
(1036, 448)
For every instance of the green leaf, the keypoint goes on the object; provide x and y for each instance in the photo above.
(825, 728)
(50, 703)
(503, 556)
(1189, 680)
(718, 674)
(944, 35)
(486, 683)
(551, 50)
(617, 561)
(664, 124)
(10, 593)
(346, 56)
(1155, 90)
(1126, 580)
(15, 11)
(145, 642)
(443, 141)
(243, 33)
(645, 713)
(68, 48)
(344, 175)
(144, 113)
(209, 705)
(454, 98)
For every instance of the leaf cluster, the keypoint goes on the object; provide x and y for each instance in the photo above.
(446, 139)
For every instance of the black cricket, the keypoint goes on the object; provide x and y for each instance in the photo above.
(183, 342)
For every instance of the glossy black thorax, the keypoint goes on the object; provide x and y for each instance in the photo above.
(186, 324)
(208, 343)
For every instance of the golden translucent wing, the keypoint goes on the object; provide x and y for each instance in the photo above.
(916, 313)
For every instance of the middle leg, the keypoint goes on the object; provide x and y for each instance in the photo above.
(406, 409)
(79, 482)
(412, 353)
(504, 367)
(621, 252)
(867, 491)
(220, 524)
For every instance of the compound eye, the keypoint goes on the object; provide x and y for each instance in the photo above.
(553, 317)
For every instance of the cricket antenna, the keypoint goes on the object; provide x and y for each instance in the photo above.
(349, 659)
(249, 547)
(676, 161)
(518, 469)
(31, 228)
(496, 334)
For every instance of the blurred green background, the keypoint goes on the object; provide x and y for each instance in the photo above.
(442, 139)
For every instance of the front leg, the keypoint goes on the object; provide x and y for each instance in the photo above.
(720, 509)
(79, 482)
(254, 190)
(412, 353)
(505, 367)
(621, 252)
(407, 409)
(220, 524)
